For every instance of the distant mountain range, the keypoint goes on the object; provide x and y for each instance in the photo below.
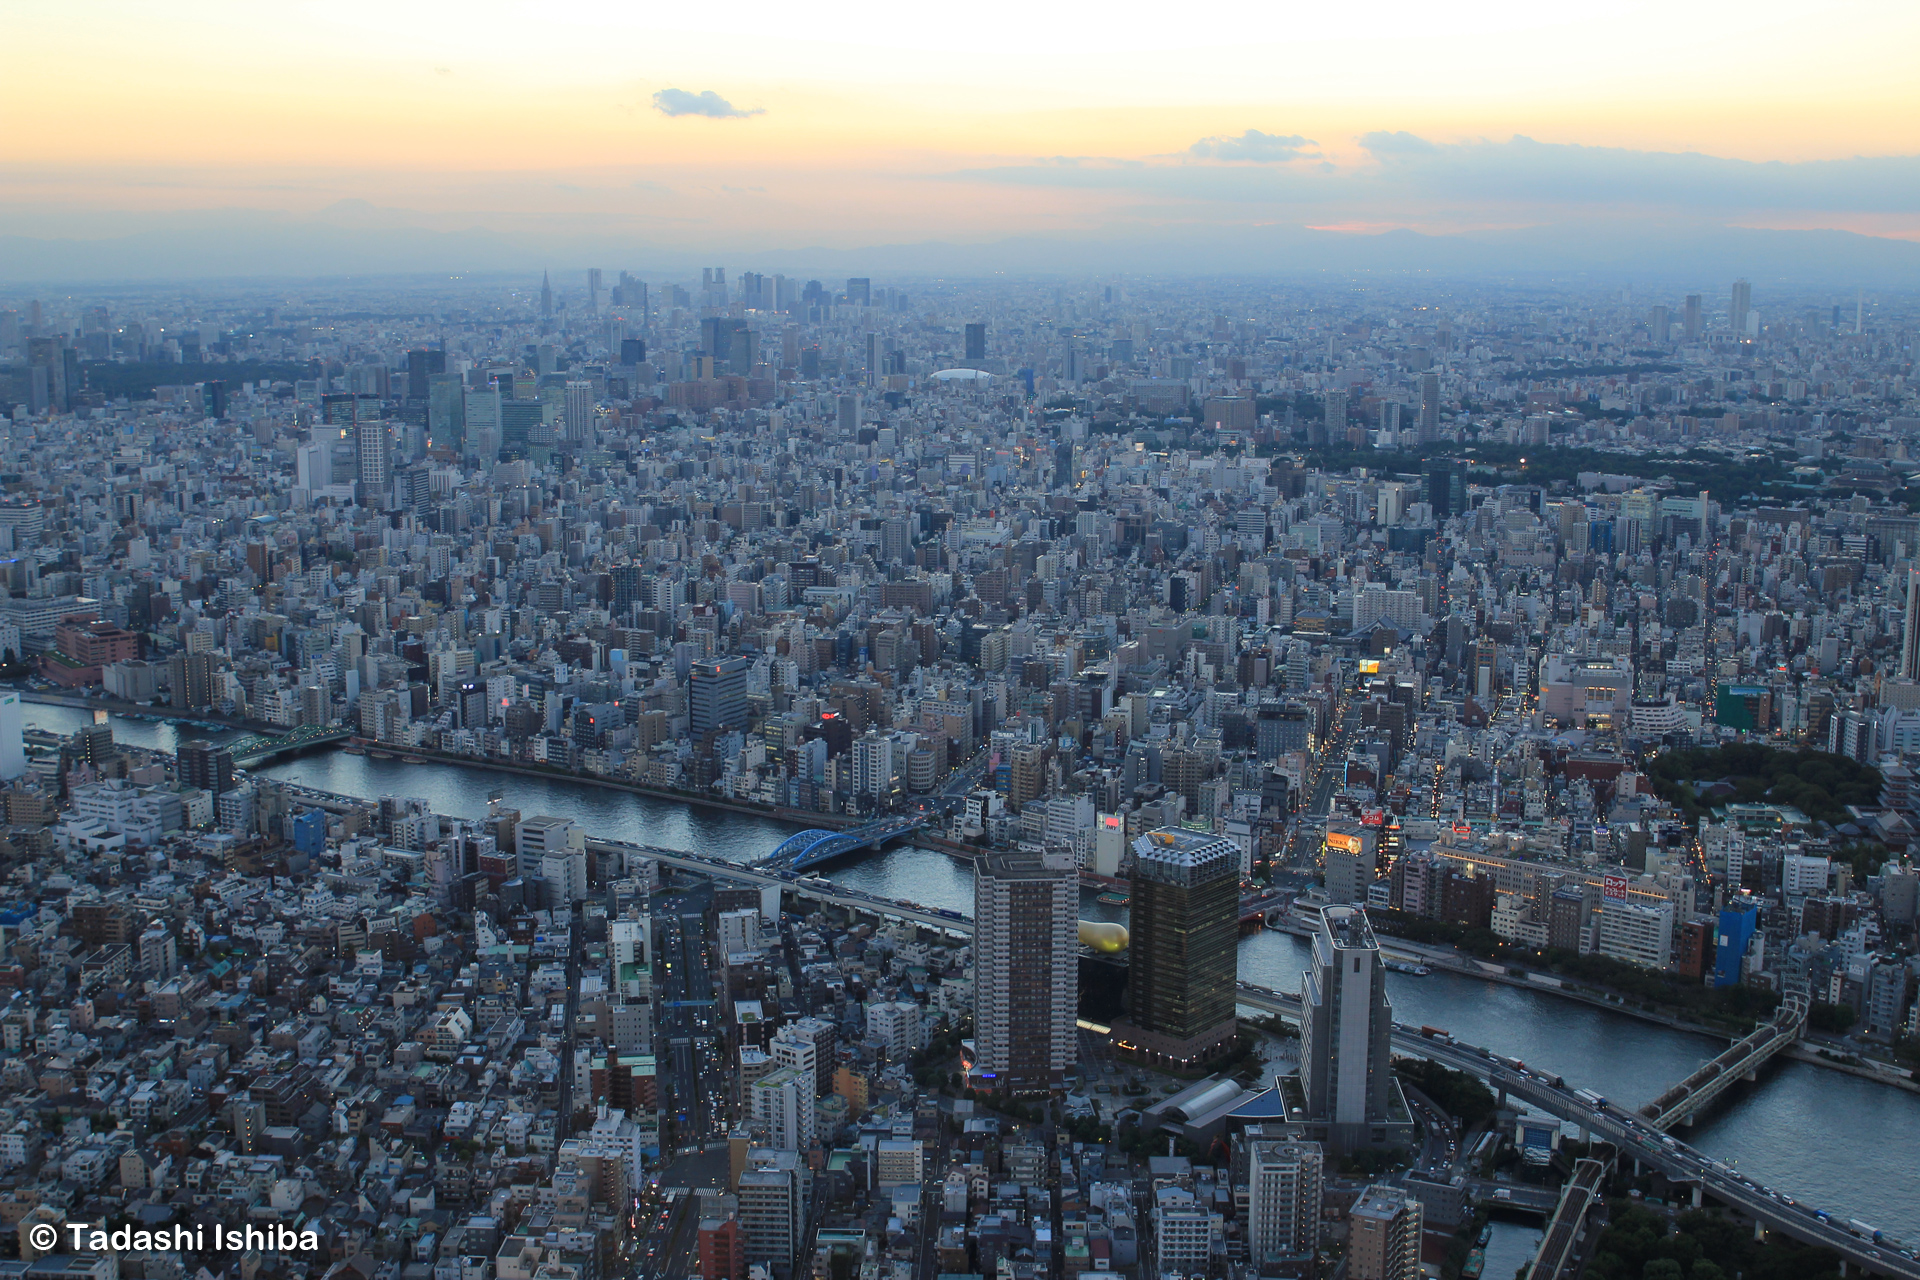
(245, 245)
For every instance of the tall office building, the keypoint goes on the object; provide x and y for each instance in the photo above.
(190, 679)
(579, 410)
(481, 435)
(1739, 307)
(782, 1104)
(373, 448)
(1392, 503)
(976, 342)
(422, 365)
(1346, 1033)
(1383, 1235)
(1910, 637)
(1691, 325)
(808, 1043)
(13, 745)
(202, 765)
(631, 294)
(546, 294)
(723, 1249)
(718, 695)
(1447, 488)
(313, 466)
(1429, 407)
(1285, 1182)
(1351, 853)
(447, 411)
(770, 1209)
(1184, 954)
(93, 743)
(1335, 404)
(1483, 669)
(541, 834)
(1026, 969)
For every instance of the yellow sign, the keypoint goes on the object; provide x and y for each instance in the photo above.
(1341, 840)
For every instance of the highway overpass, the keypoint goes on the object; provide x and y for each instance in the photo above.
(1633, 1136)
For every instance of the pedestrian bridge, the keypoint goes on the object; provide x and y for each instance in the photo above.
(807, 849)
(1742, 1060)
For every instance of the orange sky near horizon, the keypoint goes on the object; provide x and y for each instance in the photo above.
(499, 111)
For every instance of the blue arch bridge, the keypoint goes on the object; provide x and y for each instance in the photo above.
(805, 850)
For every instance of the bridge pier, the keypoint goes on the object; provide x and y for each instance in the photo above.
(1759, 1230)
(1752, 1077)
(1699, 1195)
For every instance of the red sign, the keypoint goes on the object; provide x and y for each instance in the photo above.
(1614, 888)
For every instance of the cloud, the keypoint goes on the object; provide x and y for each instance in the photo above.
(1089, 162)
(1520, 180)
(1256, 147)
(1396, 145)
(679, 102)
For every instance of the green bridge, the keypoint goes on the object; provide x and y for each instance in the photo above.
(258, 749)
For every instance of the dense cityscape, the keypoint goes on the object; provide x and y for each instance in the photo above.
(1541, 636)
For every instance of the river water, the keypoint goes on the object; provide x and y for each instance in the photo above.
(1825, 1138)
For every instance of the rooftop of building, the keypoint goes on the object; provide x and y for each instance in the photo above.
(1348, 928)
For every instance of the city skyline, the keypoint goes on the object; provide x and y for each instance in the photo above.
(1013, 642)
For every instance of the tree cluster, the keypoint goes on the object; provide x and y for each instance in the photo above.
(1817, 783)
(1637, 1246)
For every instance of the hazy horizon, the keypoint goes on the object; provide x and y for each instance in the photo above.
(228, 140)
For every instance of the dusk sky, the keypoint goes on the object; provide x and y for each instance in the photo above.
(851, 123)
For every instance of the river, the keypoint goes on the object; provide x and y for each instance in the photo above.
(1825, 1138)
